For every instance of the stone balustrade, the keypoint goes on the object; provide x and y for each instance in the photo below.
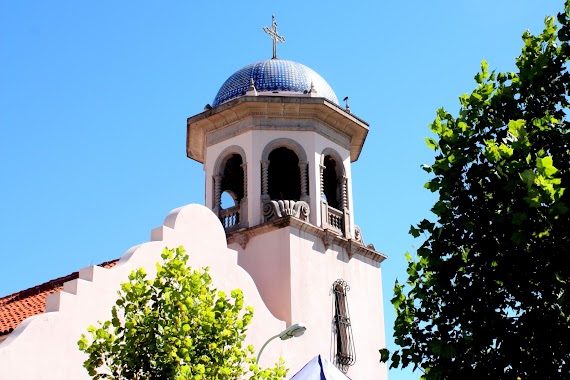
(230, 218)
(335, 220)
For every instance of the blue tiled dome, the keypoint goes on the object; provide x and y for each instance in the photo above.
(274, 75)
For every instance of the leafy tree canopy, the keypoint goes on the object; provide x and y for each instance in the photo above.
(176, 326)
(488, 294)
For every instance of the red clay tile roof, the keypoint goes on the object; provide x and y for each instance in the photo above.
(16, 307)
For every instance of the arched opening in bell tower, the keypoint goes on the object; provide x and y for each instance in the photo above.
(232, 178)
(335, 209)
(331, 190)
(333, 180)
(284, 175)
(229, 197)
(284, 180)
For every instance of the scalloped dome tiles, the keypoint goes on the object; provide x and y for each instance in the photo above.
(274, 75)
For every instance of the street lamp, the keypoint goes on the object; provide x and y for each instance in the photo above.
(292, 331)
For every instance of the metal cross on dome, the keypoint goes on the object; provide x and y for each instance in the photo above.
(274, 35)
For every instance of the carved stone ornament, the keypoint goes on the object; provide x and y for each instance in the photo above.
(358, 235)
(242, 240)
(328, 238)
(277, 209)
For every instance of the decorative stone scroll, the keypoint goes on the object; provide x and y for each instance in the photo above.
(277, 209)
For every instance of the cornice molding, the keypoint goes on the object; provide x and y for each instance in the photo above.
(337, 124)
(329, 237)
(242, 126)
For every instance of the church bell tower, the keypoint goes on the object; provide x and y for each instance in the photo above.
(277, 145)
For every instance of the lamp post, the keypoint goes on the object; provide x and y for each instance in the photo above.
(292, 331)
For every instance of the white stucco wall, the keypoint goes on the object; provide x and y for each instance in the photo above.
(45, 346)
(293, 266)
(311, 289)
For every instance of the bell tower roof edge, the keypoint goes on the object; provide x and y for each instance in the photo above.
(202, 126)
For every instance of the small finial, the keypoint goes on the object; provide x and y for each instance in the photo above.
(274, 35)
(346, 106)
(312, 90)
(251, 91)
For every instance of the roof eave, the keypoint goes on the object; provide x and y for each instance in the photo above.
(226, 114)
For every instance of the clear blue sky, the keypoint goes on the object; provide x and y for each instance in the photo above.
(94, 97)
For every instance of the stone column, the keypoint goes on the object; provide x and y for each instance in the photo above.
(321, 180)
(344, 207)
(324, 205)
(264, 180)
(217, 193)
(244, 167)
(243, 214)
(303, 172)
(344, 193)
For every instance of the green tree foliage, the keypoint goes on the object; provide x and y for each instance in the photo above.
(487, 296)
(176, 326)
